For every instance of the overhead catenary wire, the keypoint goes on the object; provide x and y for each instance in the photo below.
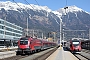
(31, 5)
(28, 3)
(20, 7)
(17, 4)
(37, 2)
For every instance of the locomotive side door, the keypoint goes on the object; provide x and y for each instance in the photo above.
(32, 44)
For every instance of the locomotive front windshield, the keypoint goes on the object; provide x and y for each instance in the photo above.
(23, 41)
(75, 43)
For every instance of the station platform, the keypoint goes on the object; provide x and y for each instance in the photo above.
(7, 54)
(8, 49)
(62, 54)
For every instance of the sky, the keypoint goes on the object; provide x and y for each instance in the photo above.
(57, 4)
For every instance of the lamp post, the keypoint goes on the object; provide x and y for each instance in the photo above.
(65, 9)
(63, 29)
(60, 31)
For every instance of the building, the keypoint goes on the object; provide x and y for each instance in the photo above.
(10, 30)
(33, 32)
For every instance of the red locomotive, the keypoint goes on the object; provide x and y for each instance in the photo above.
(27, 45)
(74, 45)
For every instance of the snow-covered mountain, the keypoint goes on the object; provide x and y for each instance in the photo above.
(13, 6)
(41, 17)
(70, 9)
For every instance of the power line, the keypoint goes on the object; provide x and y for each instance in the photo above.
(20, 7)
(17, 4)
(37, 2)
(28, 3)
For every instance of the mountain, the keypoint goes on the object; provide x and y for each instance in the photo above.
(41, 17)
(75, 18)
(76, 21)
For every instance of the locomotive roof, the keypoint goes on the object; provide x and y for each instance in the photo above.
(75, 40)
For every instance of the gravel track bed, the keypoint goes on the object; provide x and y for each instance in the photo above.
(80, 57)
(36, 56)
(83, 55)
(14, 58)
(46, 55)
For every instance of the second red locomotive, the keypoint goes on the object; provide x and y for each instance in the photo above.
(74, 45)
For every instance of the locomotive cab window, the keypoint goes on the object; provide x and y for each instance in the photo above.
(24, 41)
(76, 43)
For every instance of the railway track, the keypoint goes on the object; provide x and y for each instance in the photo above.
(86, 51)
(81, 57)
(46, 55)
(14, 57)
(42, 55)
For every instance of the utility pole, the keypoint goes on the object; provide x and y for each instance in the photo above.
(89, 34)
(5, 27)
(54, 36)
(83, 36)
(63, 37)
(27, 26)
(42, 35)
(33, 33)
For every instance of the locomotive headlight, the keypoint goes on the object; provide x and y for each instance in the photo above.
(76, 47)
(27, 46)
